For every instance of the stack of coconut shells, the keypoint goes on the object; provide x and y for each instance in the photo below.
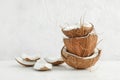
(80, 50)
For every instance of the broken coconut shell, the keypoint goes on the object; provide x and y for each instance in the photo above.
(80, 62)
(24, 62)
(30, 57)
(81, 46)
(42, 65)
(54, 61)
(78, 32)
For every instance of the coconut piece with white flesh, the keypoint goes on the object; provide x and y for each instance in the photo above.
(24, 62)
(30, 56)
(80, 62)
(42, 65)
(78, 30)
(55, 61)
(70, 27)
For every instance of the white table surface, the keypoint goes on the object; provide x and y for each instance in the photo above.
(11, 70)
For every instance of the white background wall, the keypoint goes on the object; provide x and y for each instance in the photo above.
(34, 25)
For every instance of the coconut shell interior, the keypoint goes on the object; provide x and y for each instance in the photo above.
(78, 32)
(79, 62)
(81, 46)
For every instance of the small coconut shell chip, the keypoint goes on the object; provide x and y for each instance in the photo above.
(42, 65)
(30, 57)
(54, 60)
(80, 62)
(24, 62)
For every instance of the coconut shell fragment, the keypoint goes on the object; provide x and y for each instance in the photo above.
(30, 57)
(54, 61)
(24, 62)
(42, 65)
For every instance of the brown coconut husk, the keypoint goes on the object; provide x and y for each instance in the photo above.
(78, 32)
(79, 62)
(81, 46)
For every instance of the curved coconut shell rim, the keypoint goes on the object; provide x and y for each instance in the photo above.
(27, 65)
(92, 26)
(96, 53)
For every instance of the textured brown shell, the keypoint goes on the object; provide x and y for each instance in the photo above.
(79, 62)
(57, 63)
(81, 46)
(78, 32)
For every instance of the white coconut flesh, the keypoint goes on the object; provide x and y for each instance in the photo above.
(42, 65)
(95, 54)
(75, 26)
(70, 27)
(31, 57)
(24, 62)
(54, 60)
(87, 25)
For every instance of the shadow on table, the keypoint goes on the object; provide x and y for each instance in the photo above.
(65, 67)
(62, 67)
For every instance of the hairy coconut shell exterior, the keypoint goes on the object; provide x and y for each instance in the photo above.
(81, 46)
(77, 32)
(79, 62)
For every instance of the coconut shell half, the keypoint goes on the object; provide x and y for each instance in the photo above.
(81, 46)
(80, 62)
(78, 32)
